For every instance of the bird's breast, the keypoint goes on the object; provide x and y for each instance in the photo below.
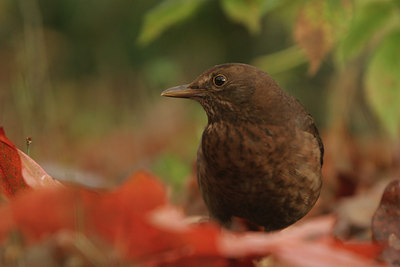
(253, 157)
(230, 151)
(250, 168)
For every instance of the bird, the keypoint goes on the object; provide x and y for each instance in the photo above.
(260, 154)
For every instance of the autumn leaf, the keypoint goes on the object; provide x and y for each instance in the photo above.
(313, 33)
(385, 223)
(40, 213)
(119, 216)
(11, 180)
(137, 222)
(33, 174)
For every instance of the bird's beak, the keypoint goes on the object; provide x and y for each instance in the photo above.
(182, 91)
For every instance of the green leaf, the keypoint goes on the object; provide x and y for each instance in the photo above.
(367, 21)
(339, 13)
(248, 12)
(281, 61)
(382, 82)
(165, 15)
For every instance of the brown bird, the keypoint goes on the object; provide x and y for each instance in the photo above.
(260, 155)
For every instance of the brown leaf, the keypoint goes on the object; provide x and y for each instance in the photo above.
(313, 33)
(386, 223)
(355, 213)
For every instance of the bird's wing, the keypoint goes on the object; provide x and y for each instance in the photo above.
(308, 125)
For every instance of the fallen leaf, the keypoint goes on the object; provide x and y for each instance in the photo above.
(386, 223)
(40, 213)
(11, 180)
(136, 220)
(355, 213)
(136, 223)
(33, 174)
(120, 216)
(365, 249)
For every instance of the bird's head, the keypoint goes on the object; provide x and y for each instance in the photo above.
(228, 89)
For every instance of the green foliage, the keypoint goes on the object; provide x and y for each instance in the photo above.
(368, 20)
(171, 12)
(165, 15)
(382, 82)
(340, 15)
(248, 12)
(281, 61)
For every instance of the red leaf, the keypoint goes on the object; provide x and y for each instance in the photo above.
(121, 215)
(193, 244)
(367, 250)
(11, 180)
(45, 211)
(34, 176)
(201, 238)
(136, 220)
(301, 245)
(6, 222)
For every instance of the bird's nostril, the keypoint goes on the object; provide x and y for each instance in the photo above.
(194, 87)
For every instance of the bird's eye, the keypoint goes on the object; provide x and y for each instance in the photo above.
(219, 80)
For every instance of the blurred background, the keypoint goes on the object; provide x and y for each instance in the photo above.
(83, 79)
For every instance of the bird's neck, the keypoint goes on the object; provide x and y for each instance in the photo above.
(273, 113)
(225, 111)
(218, 115)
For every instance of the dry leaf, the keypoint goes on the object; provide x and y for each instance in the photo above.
(386, 223)
(11, 180)
(313, 33)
